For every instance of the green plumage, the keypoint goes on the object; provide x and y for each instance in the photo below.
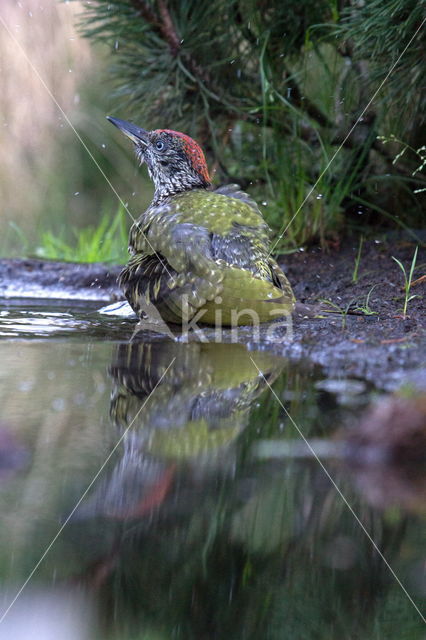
(205, 253)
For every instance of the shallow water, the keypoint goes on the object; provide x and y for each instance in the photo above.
(153, 490)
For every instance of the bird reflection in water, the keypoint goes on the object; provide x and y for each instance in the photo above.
(181, 407)
(190, 534)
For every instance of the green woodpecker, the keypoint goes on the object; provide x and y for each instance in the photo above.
(197, 251)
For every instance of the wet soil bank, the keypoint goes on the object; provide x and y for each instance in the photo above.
(381, 345)
(368, 338)
(45, 279)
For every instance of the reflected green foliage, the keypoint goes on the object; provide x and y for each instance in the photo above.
(275, 105)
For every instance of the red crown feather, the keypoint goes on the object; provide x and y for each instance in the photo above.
(193, 151)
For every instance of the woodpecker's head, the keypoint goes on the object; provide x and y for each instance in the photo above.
(175, 161)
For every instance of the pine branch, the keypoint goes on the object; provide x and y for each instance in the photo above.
(168, 28)
(147, 13)
(304, 104)
(164, 26)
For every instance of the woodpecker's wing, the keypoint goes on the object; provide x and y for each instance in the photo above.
(208, 245)
(220, 212)
(199, 227)
(234, 191)
(145, 281)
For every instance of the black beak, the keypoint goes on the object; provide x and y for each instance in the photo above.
(136, 134)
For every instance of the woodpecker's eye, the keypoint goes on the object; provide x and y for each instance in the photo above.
(159, 145)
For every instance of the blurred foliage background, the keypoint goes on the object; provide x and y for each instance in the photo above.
(54, 199)
(271, 89)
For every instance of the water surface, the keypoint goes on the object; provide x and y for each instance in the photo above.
(177, 517)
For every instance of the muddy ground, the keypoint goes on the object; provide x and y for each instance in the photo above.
(367, 339)
(381, 346)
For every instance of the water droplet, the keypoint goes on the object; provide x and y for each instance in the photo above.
(25, 385)
(77, 193)
(58, 404)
